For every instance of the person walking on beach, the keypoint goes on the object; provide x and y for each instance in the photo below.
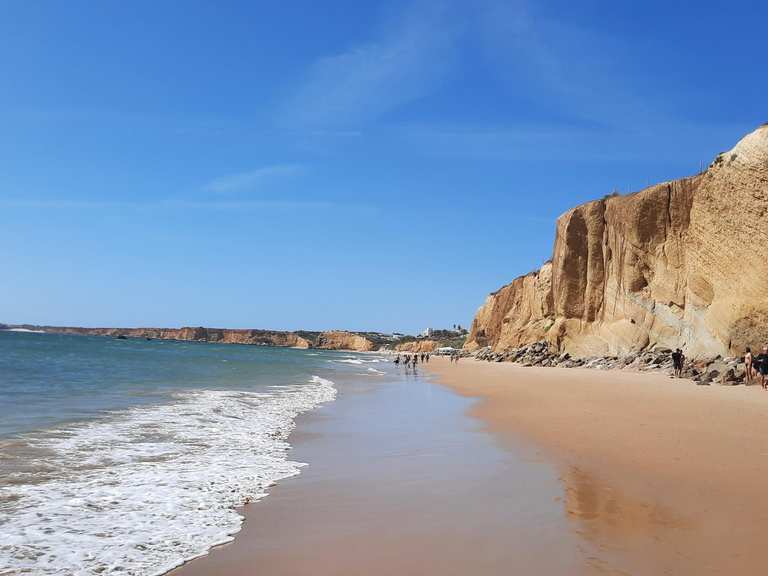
(748, 367)
(762, 365)
(677, 362)
(397, 359)
(427, 357)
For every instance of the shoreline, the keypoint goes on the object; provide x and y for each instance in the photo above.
(401, 481)
(642, 474)
(660, 475)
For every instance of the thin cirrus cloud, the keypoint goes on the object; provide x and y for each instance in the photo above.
(260, 179)
(366, 81)
(577, 70)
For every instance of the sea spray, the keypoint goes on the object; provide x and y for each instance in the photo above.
(145, 489)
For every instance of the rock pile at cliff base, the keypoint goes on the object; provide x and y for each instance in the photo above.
(727, 371)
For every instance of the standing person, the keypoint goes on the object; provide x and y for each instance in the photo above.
(407, 361)
(762, 365)
(427, 357)
(682, 362)
(677, 362)
(748, 367)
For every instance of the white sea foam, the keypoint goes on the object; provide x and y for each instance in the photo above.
(24, 330)
(144, 490)
(356, 360)
(373, 370)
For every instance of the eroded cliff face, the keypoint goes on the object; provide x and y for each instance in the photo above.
(678, 264)
(340, 340)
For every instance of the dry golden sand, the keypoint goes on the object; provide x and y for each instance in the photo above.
(662, 476)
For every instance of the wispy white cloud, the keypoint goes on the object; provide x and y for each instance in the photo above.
(253, 180)
(368, 80)
(576, 70)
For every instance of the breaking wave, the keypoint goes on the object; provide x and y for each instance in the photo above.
(144, 490)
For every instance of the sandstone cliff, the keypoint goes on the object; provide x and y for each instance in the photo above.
(418, 346)
(680, 263)
(340, 340)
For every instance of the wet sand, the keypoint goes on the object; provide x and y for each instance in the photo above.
(662, 476)
(493, 469)
(403, 481)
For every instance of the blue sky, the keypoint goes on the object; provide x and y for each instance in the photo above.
(339, 164)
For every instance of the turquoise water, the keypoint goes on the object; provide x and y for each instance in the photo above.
(46, 379)
(131, 456)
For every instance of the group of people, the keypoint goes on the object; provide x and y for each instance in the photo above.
(756, 366)
(455, 357)
(411, 360)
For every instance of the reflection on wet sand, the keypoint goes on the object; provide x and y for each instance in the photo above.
(617, 527)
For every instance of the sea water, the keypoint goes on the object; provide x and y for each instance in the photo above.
(132, 456)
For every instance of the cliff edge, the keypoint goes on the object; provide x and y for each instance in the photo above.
(678, 264)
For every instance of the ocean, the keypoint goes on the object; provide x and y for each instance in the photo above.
(132, 456)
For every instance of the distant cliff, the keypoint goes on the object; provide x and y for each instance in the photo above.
(418, 346)
(681, 263)
(333, 340)
(341, 340)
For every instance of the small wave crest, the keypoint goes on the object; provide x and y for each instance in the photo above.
(146, 489)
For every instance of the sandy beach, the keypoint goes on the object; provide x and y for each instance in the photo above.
(401, 480)
(661, 475)
(492, 468)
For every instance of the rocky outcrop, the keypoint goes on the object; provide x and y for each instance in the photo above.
(678, 264)
(418, 346)
(704, 370)
(341, 340)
